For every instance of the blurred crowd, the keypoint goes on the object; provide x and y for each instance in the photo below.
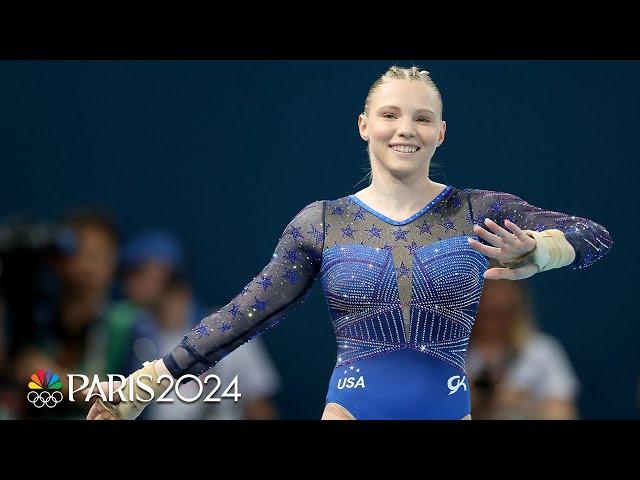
(76, 298)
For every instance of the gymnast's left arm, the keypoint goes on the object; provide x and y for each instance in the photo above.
(281, 285)
(527, 240)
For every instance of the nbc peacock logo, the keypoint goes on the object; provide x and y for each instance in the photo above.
(44, 389)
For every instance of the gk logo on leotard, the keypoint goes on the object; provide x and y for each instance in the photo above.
(458, 383)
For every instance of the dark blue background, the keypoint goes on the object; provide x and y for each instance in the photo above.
(228, 151)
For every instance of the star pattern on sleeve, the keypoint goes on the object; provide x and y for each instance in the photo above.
(337, 210)
(265, 282)
(200, 331)
(263, 301)
(260, 304)
(234, 310)
(290, 275)
(496, 207)
(317, 235)
(291, 255)
(225, 326)
(295, 232)
(540, 227)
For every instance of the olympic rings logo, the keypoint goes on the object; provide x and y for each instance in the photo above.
(40, 399)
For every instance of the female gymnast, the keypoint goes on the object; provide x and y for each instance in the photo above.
(402, 264)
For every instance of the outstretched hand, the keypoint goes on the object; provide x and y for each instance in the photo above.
(98, 410)
(508, 245)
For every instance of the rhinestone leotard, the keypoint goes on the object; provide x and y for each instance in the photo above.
(402, 297)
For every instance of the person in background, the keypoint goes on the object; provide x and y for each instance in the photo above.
(154, 281)
(515, 370)
(68, 336)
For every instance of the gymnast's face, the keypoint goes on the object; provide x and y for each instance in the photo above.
(404, 127)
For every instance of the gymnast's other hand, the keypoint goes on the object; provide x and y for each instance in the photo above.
(507, 246)
(98, 410)
(154, 375)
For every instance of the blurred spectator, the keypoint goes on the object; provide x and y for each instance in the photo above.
(516, 371)
(154, 281)
(67, 336)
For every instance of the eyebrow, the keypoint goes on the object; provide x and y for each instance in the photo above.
(427, 110)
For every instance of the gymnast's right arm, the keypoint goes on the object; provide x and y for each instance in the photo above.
(282, 284)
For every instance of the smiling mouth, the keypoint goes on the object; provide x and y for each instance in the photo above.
(404, 148)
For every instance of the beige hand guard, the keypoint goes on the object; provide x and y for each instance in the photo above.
(552, 250)
(130, 408)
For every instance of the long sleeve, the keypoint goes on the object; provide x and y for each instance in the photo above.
(281, 284)
(590, 240)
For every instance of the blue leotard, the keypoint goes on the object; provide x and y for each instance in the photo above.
(402, 297)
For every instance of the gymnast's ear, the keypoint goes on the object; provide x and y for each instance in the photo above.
(363, 122)
(443, 130)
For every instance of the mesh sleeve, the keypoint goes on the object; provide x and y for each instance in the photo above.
(590, 240)
(281, 284)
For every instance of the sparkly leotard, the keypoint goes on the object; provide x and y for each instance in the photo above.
(402, 297)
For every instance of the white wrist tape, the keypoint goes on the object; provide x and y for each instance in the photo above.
(130, 407)
(552, 249)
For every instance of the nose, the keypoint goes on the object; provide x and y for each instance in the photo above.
(406, 129)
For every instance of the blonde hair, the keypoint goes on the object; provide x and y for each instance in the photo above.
(398, 73)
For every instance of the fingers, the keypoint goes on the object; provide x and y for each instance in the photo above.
(491, 252)
(511, 273)
(98, 412)
(94, 411)
(505, 235)
(106, 416)
(485, 234)
(517, 231)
